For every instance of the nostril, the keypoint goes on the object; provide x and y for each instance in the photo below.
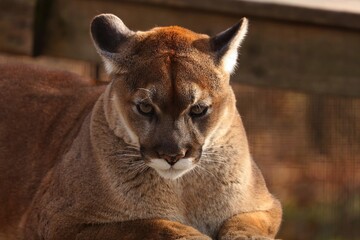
(172, 159)
(179, 156)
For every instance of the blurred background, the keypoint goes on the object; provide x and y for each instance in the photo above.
(297, 87)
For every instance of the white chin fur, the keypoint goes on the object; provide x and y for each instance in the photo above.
(167, 171)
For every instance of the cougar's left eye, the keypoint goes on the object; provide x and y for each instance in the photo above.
(198, 111)
(145, 109)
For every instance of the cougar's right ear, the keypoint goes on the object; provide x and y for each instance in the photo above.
(226, 44)
(109, 33)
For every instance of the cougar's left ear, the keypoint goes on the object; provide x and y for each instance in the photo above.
(109, 33)
(226, 44)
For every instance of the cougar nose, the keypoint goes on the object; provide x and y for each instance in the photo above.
(172, 159)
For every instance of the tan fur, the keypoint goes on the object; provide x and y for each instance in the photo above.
(76, 159)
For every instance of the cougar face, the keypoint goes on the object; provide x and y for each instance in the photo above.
(169, 113)
(170, 95)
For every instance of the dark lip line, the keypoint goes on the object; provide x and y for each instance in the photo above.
(195, 161)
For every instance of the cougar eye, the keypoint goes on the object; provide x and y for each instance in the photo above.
(145, 109)
(198, 111)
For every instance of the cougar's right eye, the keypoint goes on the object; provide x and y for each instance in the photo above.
(145, 109)
(198, 111)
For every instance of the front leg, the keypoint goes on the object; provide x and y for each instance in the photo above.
(259, 225)
(150, 229)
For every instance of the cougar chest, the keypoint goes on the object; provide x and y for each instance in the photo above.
(204, 210)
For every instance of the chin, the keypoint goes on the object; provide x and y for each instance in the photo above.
(172, 174)
(176, 171)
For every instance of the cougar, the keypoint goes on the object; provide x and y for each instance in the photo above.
(158, 153)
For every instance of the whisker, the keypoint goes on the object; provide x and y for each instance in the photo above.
(132, 146)
(213, 161)
(138, 168)
(213, 153)
(130, 155)
(197, 172)
(207, 171)
(124, 153)
(128, 151)
(147, 90)
(215, 157)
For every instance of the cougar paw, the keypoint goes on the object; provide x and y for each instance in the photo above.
(244, 236)
(199, 237)
(179, 231)
(252, 238)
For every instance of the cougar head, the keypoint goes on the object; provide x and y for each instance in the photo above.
(169, 93)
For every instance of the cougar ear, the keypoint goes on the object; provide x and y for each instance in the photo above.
(108, 33)
(226, 44)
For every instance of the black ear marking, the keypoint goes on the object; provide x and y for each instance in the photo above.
(225, 45)
(220, 42)
(109, 32)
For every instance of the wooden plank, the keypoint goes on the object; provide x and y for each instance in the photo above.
(347, 6)
(85, 69)
(345, 14)
(280, 54)
(301, 57)
(16, 26)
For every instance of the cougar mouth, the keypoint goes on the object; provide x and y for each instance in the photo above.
(169, 171)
